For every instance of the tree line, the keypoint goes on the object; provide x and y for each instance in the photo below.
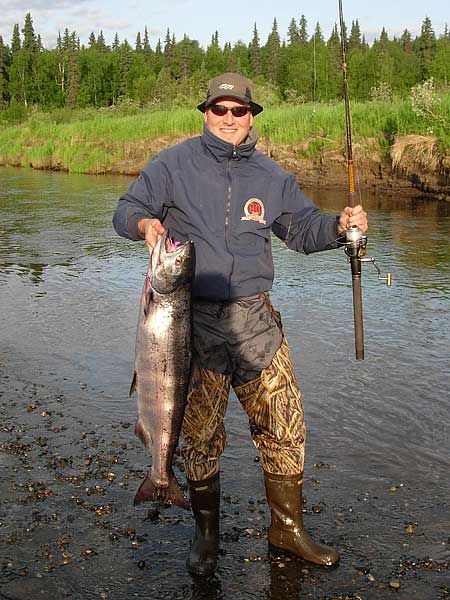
(300, 68)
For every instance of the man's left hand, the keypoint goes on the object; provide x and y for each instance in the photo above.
(353, 217)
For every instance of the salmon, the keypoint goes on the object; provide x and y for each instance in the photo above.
(163, 360)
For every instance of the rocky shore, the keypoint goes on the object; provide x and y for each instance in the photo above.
(69, 530)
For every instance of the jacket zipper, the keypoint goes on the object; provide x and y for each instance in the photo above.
(228, 206)
(227, 212)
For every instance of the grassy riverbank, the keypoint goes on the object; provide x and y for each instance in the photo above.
(109, 140)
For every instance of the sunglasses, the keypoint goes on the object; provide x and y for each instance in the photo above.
(236, 111)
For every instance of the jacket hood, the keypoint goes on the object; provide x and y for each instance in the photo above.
(222, 150)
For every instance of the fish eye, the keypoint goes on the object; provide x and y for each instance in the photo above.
(178, 261)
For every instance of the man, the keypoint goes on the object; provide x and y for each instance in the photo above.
(227, 197)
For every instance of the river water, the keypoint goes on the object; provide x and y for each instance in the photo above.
(377, 479)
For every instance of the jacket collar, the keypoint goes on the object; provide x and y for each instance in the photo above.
(222, 150)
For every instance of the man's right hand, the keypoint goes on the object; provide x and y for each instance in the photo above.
(150, 230)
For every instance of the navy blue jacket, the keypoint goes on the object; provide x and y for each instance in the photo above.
(227, 199)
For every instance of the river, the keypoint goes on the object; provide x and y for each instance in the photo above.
(377, 463)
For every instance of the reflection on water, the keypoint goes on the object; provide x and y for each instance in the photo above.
(70, 288)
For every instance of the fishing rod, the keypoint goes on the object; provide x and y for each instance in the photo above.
(355, 241)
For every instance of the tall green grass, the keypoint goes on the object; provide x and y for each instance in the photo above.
(100, 141)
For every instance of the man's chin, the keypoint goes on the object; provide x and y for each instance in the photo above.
(232, 138)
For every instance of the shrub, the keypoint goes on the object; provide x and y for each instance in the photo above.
(381, 92)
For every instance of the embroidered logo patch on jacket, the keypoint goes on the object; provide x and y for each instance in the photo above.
(254, 211)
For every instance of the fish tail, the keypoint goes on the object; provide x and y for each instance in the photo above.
(170, 494)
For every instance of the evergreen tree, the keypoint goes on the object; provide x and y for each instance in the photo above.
(303, 31)
(15, 41)
(299, 68)
(29, 38)
(100, 43)
(159, 58)
(229, 60)
(426, 47)
(406, 42)
(320, 88)
(167, 49)
(66, 40)
(240, 58)
(354, 41)
(439, 68)
(22, 75)
(116, 42)
(383, 63)
(125, 64)
(272, 54)
(2, 74)
(184, 65)
(255, 54)
(39, 46)
(214, 57)
(146, 48)
(318, 36)
(202, 80)
(293, 34)
(138, 46)
(73, 85)
(335, 63)
(165, 89)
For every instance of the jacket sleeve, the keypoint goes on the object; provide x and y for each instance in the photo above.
(301, 225)
(149, 196)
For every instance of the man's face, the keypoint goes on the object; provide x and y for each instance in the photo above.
(229, 128)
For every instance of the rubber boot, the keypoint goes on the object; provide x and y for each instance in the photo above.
(284, 495)
(205, 501)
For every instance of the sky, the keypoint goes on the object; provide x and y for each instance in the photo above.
(199, 19)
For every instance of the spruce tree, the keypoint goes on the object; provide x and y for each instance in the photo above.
(125, 64)
(354, 41)
(159, 57)
(214, 56)
(255, 54)
(146, 47)
(293, 34)
(73, 85)
(272, 54)
(29, 38)
(2, 74)
(406, 42)
(100, 43)
(303, 31)
(116, 42)
(335, 63)
(15, 41)
(66, 41)
(138, 45)
(167, 48)
(426, 47)
(22, 74)
(440, 65)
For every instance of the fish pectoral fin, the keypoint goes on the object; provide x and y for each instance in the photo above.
(148, 300)
(133, 384)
